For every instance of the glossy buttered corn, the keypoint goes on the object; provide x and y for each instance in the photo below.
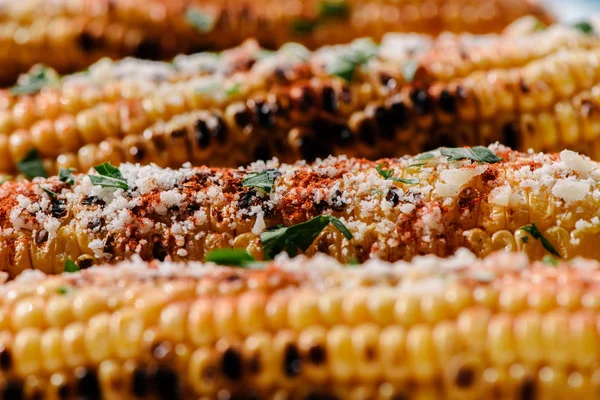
(485, 199)
(70, 35)
(311, 328)
(528, 89)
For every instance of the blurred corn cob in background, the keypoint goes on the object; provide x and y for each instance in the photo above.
(307, 329)
(530, 87)
(71, 34)
(352, 209)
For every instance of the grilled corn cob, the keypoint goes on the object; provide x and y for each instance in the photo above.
(407, 95)
(432, 329)
(483, 199)
(70, 35)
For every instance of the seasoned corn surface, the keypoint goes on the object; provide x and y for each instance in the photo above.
(527, 88)
(543, 205)
(458, 329)
(71, 34)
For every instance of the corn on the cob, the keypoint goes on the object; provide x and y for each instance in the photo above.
(308, 329)
(410, 94)
(69, 35)
(394, 209)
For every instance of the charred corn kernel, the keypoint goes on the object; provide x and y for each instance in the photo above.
(475, 351)
(68, 35)
(549, 203)
(296, 104)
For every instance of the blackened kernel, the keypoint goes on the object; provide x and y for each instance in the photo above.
(510, 135)
(262, 153)
(5, 359)
(109, 244)
(159, 252)
(88, 43)
(255, 365)
(247, 199)
(385, 123)
(231, 364)
(41, 236)
(292, 361)
(320, 396)
(421, 101)
(58, 208)
(85, 263)
(446, 102)
(242, 118)
(138, 153)
(528, 390)
(393, 197)
(13, 390)
(524, 87)
(366, 133)
(465, 377)
(92, 200)
(329, 100)
(95, 223)
(202, 134)
(167, 384)
(311, 149)
(306, 100)
(399, 113)
(344, 137)
(64, 392)
(148, 49)
(220, 130)
(387, 80)
(87, 383)
(140, 385)
(317, 355)
(264, 114)
(178, 133)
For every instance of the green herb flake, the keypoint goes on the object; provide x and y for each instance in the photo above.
(39, 77)
(358, 54)
(262, 180)
(353, 262)
(64, 290)
(409, 70)
(70, 266)
(389, 174)
(5, 179)
(233, 90)
(49, 192)
(66, 175)
(585, 27)
(300, 236)
(110, 177)
(334, 9)
(536, 234)
(207, 88)
(203, 22)
(478, 154)
(416, 165)
(550, 260)
(539, 26)
(525, 239)
(304, 26)
(424, 156)
(230, 257)
(31, 165)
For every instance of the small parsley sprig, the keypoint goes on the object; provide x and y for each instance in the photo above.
(31, 165)
(262, 180)
(389, 174)
(231, 257)
(110, 177)
(536, 234)
(66, 175)
(478, 154)
(70, 266)
(202, 21)
(300, 236)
